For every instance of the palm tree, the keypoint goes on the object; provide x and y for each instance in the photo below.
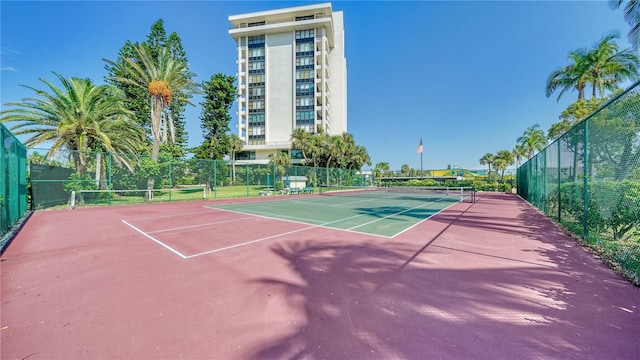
(280, 159)
(235, 145)
(632, 17)
(532, 140)
(487, 159)
(81, 117)
(300, 139)
(608, 66)
(165, 79)
(503, 159)
(519, 152)
(573, 76)
(359, 158)
(380, 170)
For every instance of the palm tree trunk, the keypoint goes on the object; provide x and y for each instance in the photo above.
(156, 116)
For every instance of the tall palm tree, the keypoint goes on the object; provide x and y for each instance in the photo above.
(532, 140)
(280, 159)
(165, 79)
(632, 17)
(80, 116)
(487, 159)
(608, 66)
(235, 145)
(359, 158)
(519, 152)
(574, 76)
(503, 159)
(300, 141)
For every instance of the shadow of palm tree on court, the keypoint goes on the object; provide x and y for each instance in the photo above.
(356, 303)
(425, 300)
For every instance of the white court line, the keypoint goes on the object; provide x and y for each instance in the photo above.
(271, 236)
(248, 242)
(388, 216)
(199, 225)
(423, 220)
(172, 215)
(322, 225)
(156, 240)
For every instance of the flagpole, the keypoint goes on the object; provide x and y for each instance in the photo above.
(421, 173)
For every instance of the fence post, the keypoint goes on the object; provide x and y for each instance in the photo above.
(109, 184)
(215, 179)
(559, 179)
(170, 181)
(585, 216)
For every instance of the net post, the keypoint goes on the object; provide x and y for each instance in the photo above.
(204, 192)
(73, 199)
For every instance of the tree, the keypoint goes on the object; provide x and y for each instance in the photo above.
(381, 170)
(300, 140)
(572, 115)
(487, 159)
(81, 116)
(502, 160)
(280, 159)
(632, 17)
(219, 93)
(532, 140)
(138, 98)
(405, 169)
(573, 76)
(164, 79)
(519, 153)
(608, 66)
(235, 145)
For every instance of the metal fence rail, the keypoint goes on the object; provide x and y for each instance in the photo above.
(589, 181)
(13, 182)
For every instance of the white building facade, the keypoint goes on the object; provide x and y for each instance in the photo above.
(292, 73)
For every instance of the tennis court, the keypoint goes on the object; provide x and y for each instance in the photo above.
(211, 279)
(383, 211)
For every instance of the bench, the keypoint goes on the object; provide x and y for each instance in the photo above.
(307, 190)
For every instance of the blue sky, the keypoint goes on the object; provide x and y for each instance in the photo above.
(466, 76)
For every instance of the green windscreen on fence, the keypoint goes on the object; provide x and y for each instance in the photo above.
(72, 178)
(13, 181)
(589, 180)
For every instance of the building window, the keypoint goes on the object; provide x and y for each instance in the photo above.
(256, 52)
(304, 116)
(256, 92)
(256, 79)
(256, 119)
(304, 60)
(296, 154)
(257, 65)
(305, 74)
(306, 17)
(246, 155)
(305, 34)
(304, 101)
(256, 40)
(301, 47)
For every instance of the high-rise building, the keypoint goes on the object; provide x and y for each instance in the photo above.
(292, 73)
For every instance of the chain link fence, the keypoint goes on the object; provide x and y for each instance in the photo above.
(589, 181)
(71, 178)
(13, 182)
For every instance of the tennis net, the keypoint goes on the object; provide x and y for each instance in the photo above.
(427, 193)
(109, 197)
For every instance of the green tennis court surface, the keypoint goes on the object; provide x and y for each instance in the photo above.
(378, 211)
